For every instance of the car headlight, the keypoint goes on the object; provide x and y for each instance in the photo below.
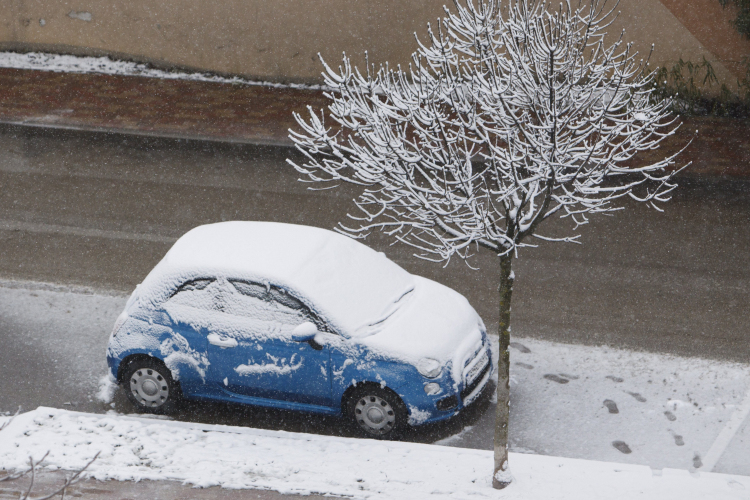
(429, 368)
(432, 389)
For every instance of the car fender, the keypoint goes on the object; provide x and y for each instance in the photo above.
(352, 369)
(138, 336)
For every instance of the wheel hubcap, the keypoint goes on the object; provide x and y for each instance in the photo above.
(149, 387)
(375, 415)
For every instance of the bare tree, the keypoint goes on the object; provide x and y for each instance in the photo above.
(69, 481)
(509, 115)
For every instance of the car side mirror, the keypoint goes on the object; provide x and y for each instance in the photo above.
(305, 332)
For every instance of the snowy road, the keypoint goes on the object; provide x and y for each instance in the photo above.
(567, 400)
(99, 210)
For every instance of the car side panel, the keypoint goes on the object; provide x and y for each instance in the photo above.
(184, 353)
(353, 364)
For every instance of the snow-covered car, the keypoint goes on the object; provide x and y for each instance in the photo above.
(298, 318)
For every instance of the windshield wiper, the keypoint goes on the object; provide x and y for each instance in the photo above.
(389, 310)
(407, 292)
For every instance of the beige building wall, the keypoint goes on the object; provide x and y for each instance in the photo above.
(278, 40)
(687, 30)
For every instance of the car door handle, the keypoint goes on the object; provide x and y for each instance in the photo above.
(215, 339)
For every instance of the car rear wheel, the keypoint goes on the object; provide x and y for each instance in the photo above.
(376, 413)
(149, 386)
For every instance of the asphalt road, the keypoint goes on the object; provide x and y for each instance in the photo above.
(99, 211)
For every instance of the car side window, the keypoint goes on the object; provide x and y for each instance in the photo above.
(271, 303)
(197, 293)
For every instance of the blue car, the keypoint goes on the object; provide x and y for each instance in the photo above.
(298, 318)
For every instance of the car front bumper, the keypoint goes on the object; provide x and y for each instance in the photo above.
(446, 405)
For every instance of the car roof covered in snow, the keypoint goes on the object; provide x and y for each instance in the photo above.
(342, 279)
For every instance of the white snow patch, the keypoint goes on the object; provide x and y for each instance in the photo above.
(455, 437)
(278, 366)
(220, 341)
(338, 375)
(238, 457)
(81, 16)
(669, 408)
(504, 476)
(104, 65)
(178, 352)
(417, 416)
(107, 388)
(674, 404)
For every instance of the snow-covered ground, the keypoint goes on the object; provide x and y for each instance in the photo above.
(624, 406)
(580, 402)
(236, 457)
(104, 65)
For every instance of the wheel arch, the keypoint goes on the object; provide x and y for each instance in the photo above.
(133, 358)
(353, 387)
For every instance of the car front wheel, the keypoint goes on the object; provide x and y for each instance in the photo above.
(376, 413)
(149, 386)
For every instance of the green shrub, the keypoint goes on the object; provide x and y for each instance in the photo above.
(689, 84)
(742, 23)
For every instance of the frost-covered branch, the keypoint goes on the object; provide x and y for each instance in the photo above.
(507, 115)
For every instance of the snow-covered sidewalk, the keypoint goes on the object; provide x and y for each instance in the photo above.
(44, 61)
(617, 405)
(670, 412)
(236, 457)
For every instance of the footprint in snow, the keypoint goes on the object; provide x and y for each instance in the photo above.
(524, 365)
(670, 416)
(622, 447)
(611, 406)
(678, 440)
(637, 396)
(697, 462)
(555, 378)
(614, 379)
(735, 485)
(520, 347)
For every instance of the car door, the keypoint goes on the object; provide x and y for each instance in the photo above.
(189, 313)
(255, 354)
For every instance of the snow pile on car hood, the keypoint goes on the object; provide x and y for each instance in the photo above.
(342, 279)
(434, 322)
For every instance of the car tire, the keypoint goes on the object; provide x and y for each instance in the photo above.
(376, 413)
(149, 386)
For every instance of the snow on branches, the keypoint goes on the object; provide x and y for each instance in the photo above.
(31, 472)
(509, 114)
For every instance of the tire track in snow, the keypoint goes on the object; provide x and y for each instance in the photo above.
(727, 433)
(35, 227)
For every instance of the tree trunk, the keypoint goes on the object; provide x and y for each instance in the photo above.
(501, 476)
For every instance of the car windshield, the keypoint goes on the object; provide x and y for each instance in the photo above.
(373, 325)
(354, 284)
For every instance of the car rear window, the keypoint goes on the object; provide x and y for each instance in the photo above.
(197, 293)
(197, 284)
